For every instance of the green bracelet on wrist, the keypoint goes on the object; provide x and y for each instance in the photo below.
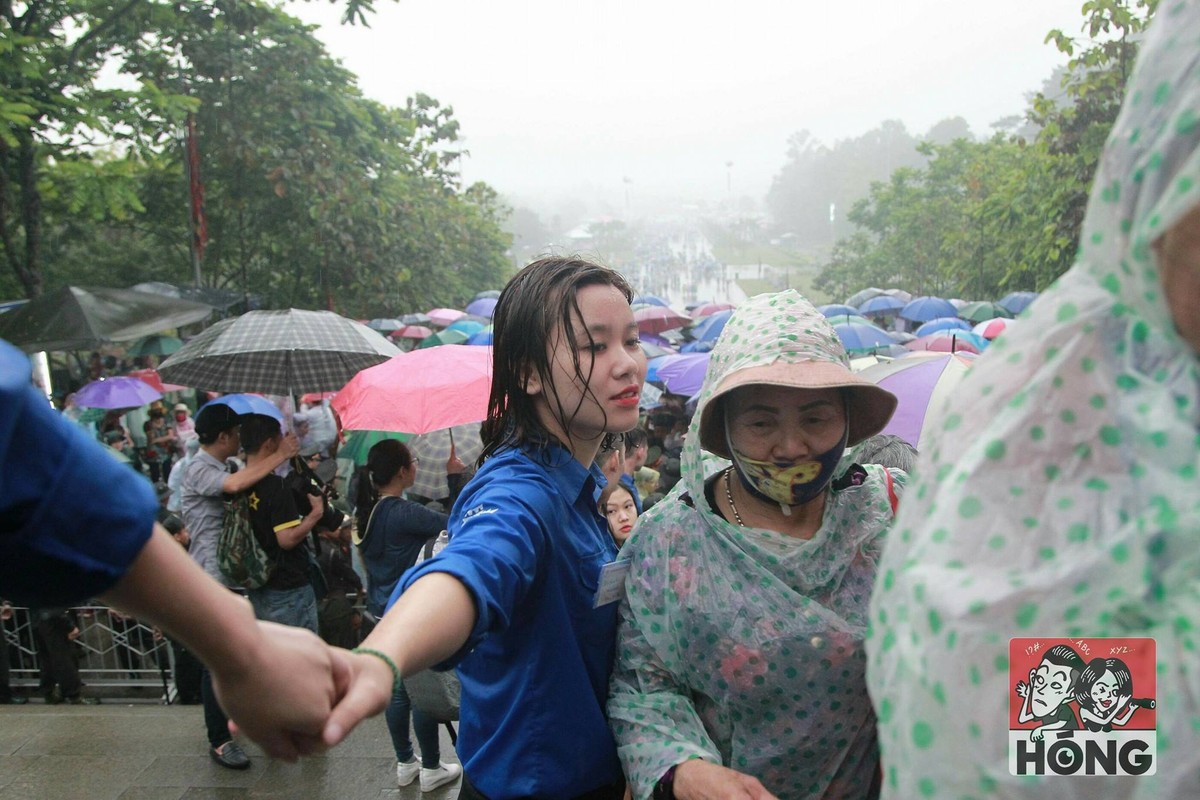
(387, 660)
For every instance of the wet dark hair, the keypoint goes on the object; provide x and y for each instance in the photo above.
(634, 439)
(257, 430)
(1095, 671)
(384, 460)
(608, 492)
(541, 299)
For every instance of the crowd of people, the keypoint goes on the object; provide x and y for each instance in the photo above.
(753, 600)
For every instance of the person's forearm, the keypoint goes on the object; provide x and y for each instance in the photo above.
(253, 473)
(166, 587)
(289, 538)
(429, 623)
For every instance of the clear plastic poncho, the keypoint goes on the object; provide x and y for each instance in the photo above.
(744, 646)
(1060, 497)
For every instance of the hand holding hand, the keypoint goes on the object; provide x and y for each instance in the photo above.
(368, 692)
(699, 780)
(284, 716)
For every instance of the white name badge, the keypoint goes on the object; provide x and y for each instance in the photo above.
(612, 583)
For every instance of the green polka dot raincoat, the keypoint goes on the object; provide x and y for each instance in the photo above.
(1060, 496)
(742, 646)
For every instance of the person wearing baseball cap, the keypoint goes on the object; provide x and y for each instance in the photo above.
(750, 580)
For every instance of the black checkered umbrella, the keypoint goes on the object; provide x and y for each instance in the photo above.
(283, 352)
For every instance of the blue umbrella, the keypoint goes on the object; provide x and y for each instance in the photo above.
(653, 364)
(1017, 301)
(943, 324)
(468, 326)
(710, 327)
(482, 307)
(833, 309)
(858, 337)
(250, 404)
(881, 304)
(650, 299)
(923, 309)
(704, 346)
(482, 337)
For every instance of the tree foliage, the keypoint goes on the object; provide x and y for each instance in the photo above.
(314, 195)
(981, 219)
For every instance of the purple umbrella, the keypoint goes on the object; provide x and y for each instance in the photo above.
(120, 392)
(683, 373)
(483, 307)
(923, 309)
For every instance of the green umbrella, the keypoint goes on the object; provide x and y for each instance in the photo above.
(359, 443)
(448, 336)
(156, 345)
(982, 311)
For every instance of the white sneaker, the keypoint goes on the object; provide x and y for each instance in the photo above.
(433, 778)
(407, 771)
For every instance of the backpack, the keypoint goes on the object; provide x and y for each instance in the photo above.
(240, 557)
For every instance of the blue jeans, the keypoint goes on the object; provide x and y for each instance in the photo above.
(425, 728)
(296, 607)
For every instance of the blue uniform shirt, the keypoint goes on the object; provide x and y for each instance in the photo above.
(528, 542)
(72, 518)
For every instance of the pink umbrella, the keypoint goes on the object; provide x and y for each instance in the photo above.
(921, 382)
(425, 390)
(707, 309)
(412, 332)
(991, 328)
(444, 316)
(946, 342)
(656, 319)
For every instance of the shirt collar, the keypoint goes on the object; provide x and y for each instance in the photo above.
(569, 476)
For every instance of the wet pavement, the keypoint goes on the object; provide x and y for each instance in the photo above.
(145, 751)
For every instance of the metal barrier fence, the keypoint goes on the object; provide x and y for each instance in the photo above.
(112, 650)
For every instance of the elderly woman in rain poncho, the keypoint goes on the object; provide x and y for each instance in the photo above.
(740, 662)
(1060, 498)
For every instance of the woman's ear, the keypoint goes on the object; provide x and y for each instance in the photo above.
(532, 382)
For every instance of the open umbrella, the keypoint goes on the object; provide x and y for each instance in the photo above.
(709, 329)
(120, 392)
(433, 449)
(482, 307)
(651, 299)
(157, 344)
(492, 294)
(1015, 302)
(858, 338)
(76, 318)
(444, 316)
(921, 382)
(448, 336)
(467, 326)
(415, 319)
(412, 332)
(882, 304)
(249, 404)
(981, 310)
(834, 309)
(282, 352)
(684, 373)
(150, 377)
(656, 318)
(991, 328)
(860, 297)
(359, 443)
(385, 325)
(418, 392)
(943, 324)
(843, 319)
(708, 309)
(949, 342)
(653, 350)
(481, 337)
(923, 309)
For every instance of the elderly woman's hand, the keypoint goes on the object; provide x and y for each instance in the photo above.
(454, 464)
(699, 780)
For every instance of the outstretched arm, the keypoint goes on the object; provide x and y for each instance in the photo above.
(429, 623)
(166, 587)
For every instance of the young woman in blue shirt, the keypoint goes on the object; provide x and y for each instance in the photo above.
(522, 598)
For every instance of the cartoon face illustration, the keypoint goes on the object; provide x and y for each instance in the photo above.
(1052, 684)
(1104, 692)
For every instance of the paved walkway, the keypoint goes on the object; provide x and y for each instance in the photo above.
(144, 751)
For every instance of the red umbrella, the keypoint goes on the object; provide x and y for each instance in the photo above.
(945, 342)
(316, 397)
(656, 319)
(425, 390)
(150, 377)
(707, 309)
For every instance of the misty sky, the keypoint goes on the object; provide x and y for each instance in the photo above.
(559, 96)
